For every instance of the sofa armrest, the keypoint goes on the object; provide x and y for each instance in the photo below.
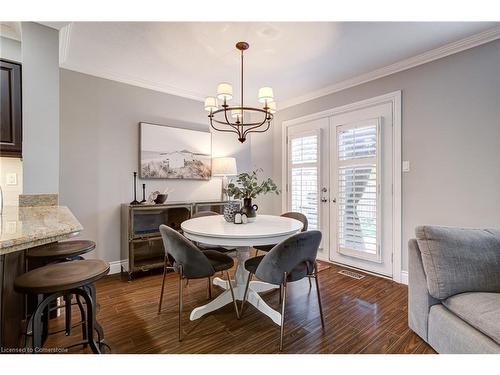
(419, 299)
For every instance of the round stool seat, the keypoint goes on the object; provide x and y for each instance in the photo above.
(61, 250)
(61, 276)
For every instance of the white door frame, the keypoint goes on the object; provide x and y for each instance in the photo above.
(395, 99)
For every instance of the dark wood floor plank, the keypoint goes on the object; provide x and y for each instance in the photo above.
(406, 344)
(367, 315)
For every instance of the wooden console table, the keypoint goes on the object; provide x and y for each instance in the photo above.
(141, 243)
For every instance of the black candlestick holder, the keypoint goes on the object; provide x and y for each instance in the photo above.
(143, 194)
(135, 190)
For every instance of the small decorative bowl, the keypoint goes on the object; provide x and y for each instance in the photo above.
(161, 198)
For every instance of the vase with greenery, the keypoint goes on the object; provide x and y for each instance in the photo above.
(246, 187)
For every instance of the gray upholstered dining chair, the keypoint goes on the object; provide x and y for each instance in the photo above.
(292, 215)
(290, 260)
(183, 257)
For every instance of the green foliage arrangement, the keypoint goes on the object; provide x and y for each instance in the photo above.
(248, 186)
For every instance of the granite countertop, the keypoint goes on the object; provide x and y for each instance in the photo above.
(25, 227)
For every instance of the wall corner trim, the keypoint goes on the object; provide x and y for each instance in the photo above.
(404, 277)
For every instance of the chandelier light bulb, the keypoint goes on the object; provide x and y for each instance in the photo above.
(235, 113)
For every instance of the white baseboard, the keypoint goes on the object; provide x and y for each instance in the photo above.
(115, 267)
(404, 277)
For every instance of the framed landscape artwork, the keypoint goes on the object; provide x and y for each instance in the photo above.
(175, 153)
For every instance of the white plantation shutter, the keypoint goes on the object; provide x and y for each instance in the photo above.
(304, 173)
(358, 189)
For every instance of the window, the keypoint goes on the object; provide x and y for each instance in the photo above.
(358, 189)
(304, 170)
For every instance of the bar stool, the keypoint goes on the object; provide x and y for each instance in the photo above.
(65, 279)
(57, 252)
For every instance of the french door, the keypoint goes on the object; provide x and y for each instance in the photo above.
(308, 176)
(340, 175)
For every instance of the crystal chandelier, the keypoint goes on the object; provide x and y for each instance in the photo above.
(232, 117)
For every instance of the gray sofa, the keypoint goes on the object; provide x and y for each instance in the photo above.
(454, 288)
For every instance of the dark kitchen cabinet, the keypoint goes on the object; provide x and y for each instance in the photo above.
(11, 123)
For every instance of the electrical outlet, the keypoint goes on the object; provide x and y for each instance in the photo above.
(406, 166)
(11, 178)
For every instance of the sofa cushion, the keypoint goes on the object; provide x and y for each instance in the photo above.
(459, 260)
(480, 310)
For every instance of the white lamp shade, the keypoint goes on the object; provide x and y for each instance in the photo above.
(271, 107)
(224, 167)
(224, 91)
(210, 103)
(266, 94)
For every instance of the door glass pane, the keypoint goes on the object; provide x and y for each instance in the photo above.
(357, 143)
(357, 213)
(357, 189)
(305, 149)
(305, 193)
(304, 170)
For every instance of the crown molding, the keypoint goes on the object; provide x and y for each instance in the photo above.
(107, 73)
(423, 58)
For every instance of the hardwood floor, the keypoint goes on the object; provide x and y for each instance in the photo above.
(361, 316)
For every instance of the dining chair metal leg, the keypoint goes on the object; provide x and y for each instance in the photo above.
(232, 295)
(310, 282)
(283, 304)
(180, 302)
(162, 286)
(209, 287)
(245, 294)
(281, 294)
(319, 295)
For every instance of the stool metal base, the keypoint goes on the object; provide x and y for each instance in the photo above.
(38, 322)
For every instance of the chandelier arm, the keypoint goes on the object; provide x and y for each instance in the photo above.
(223, 123)
(249, 124)
(243, 108)
(222, 130)
(257, 126)
(258, 131)
(234, 126)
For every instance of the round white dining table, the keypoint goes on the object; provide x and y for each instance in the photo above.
(265, 230)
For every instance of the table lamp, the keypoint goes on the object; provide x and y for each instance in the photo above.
(224, 167)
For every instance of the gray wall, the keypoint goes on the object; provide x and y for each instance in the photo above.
(40, 54)
(100, 147)
(451, 136)
(10, 49)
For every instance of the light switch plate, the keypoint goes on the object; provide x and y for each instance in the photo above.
(11, 178)
(406, 166)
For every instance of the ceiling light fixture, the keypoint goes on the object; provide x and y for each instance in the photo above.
(240, 112)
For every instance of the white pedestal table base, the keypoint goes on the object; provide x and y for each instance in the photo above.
(239, 283)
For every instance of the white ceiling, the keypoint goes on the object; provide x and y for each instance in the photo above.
(189, 59)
